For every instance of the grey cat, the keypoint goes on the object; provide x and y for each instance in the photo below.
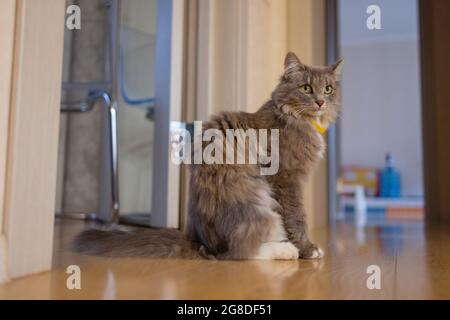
(235, 212)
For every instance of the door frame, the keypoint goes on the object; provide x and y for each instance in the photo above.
(169, 62)
(434, 26)
(8, 10)
(32, 51)
(333, 54)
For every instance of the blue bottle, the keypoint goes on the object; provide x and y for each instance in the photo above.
(390, 182)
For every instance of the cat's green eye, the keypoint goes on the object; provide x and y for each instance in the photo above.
(306, 89)
(328, 90)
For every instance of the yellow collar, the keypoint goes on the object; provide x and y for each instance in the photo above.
(316, 124)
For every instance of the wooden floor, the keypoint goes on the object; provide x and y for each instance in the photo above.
(415, 264)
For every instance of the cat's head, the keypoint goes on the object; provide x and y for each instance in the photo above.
(309, 92)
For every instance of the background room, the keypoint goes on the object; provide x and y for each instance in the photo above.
(380, 132)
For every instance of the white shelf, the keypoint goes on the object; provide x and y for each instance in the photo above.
(373, 202)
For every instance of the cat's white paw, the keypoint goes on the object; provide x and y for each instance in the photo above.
(286, 251)
(315, 254)
(277, 251)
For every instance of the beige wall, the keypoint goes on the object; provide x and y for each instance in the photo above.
(241, 50)
(241, 46)
(306, 37)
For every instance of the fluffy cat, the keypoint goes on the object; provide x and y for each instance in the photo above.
(235, 212)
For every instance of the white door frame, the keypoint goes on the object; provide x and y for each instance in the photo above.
(8, 10)
(30, 91)
(168, 109)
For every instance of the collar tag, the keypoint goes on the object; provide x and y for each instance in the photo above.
(316, 124)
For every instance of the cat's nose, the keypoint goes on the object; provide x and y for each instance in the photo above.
(320, 102)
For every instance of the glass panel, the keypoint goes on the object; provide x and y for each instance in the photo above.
(136, 81)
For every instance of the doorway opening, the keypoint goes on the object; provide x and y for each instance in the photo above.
(378, 160)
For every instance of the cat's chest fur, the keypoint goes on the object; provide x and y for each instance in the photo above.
(301, 148)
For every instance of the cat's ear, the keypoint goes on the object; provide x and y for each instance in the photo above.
(291, 64)
(336, 68)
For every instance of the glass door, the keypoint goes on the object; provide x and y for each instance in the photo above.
(149, 81)
(136, 107)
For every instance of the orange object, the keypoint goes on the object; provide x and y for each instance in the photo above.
(405, 213)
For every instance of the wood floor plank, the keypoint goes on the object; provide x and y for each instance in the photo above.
(424, 265)
(414, 265)
(341, 274)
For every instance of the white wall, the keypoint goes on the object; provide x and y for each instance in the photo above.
(381, 89)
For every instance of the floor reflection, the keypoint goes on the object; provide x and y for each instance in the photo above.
(414, 263)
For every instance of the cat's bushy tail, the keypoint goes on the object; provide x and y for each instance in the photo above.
(154, 243)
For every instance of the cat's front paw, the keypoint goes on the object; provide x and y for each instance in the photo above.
(311, 251)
